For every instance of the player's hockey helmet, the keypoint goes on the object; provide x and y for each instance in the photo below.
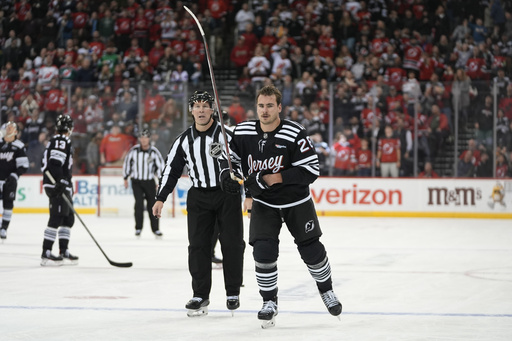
(200, 96)
(64, 124)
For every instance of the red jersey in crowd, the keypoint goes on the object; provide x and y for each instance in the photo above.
(123, 26)
(79, 20)
(178, 46)
(501, 170)
(154, 56)
(97, 48)
(345, 156)
(79, 124)
(218, 8)
(22, 8)
(367, 116)
(475, 159)
(506, 105)
(153, 107)
(378, 46)
(427, 67)
(195, 50)
(389, 147)
(364, 158)
(240, 55)
(412, 55)
(476, 68)
(139, 52)
(395, 102)
(395, 76)
(52, 100)
(5, 85)
(114, 147)
(140, 27)
(149, 14)
(326, 46)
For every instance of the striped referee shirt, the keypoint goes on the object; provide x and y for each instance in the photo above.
(198, 151)
(142, 164)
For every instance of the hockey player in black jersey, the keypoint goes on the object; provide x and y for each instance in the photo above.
(279, 162)
(199, 148)
(13, 163)
(58, 160)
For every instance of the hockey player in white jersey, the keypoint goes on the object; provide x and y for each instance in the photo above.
(279, 162)
(13, 163)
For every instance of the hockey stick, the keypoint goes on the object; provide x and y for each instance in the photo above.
(216, 94)
(119, 265)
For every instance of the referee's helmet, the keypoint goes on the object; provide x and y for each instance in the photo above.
(200, 96)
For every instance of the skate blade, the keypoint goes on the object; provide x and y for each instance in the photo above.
(49, 262)
(217, 266)
(197, 312)
(69, 262)
(268, 324)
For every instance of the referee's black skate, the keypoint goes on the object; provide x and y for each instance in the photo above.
(68, 258)
(197, 307)
(3, 234)
(331, 303)
(232, 303)
(267, 314)
(48, 259)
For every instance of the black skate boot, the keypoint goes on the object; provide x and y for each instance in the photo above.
(137, 233)
(158, 234)
(48, 259)
(68, 258)
(331, 302)
(232, 303)
(197, 307)
(3, 234)
(267, 314)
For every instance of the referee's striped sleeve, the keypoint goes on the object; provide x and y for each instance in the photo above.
(172, 170)
(127, 164)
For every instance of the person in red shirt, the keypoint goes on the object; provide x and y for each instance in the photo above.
(141, 28)
(79, 17)
(364, 159)
(236, 111)
(218, 10)
(52, 102)
(123, 29)
(428, 171)
(155, 54)
(240, 55)
(345, 157)
(475, 153)
(153, 104)
(388, 154)
(139, 52)
(476, 67)
(194, 47)
(114, 147)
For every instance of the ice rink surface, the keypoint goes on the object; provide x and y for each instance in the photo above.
(398, 279)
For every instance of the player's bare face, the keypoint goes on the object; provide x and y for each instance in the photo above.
(202, 115)
(268, 112)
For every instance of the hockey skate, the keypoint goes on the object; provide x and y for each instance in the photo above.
(232, 303)
(267, 314)
(217, 262)
(197, 307)
(137, 233)
(48, 259)
(332, 303)
(3, 234)
(68, 258)
(158, 234)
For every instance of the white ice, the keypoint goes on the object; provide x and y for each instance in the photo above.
(398, 279)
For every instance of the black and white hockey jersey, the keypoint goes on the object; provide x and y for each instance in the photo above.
(287, 150)
(13, 159)
(199, 151)
(58, 159)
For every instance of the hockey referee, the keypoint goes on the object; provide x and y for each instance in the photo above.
(142, 163)
(198, 148)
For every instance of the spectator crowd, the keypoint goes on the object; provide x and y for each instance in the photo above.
(399, 76)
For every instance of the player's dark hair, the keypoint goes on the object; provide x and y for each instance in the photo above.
(269, 90)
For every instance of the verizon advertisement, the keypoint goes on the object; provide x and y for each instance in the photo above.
(454, 198)
(413, 197)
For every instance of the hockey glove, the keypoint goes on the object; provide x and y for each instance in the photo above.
(229, 185)
(256, 184)
(60, 186)
(10, 185)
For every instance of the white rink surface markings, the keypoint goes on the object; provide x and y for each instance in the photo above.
(398, 279)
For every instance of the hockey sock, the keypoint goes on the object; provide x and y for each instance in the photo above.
(6, 218)
(64, 234)
(50, 234)
(266, 277)
(321, 273)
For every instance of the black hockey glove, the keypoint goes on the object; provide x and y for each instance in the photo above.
(229, 185)
(10, 184)
(256, 184)
(60, 186)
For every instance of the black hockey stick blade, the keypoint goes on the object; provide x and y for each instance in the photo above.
(119, 265)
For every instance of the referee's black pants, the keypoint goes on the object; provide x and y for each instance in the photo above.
(144, 189)
(204, 209)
